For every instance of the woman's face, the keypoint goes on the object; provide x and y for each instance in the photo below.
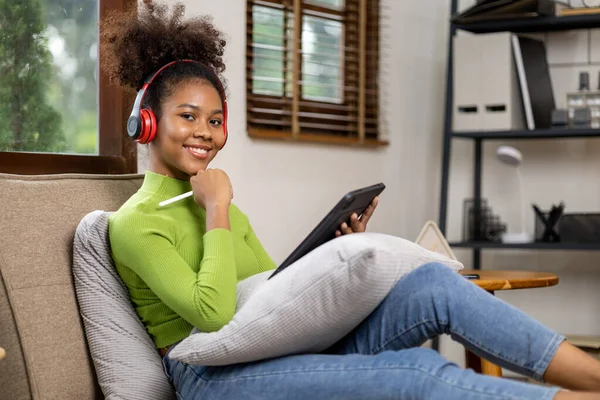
(190, 131)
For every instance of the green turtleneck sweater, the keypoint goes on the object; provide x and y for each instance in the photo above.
(178, 274)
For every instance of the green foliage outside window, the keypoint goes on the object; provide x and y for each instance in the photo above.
(322, 54)
(48, 84)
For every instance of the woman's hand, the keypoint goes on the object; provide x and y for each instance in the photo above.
(212, 191)
(212, 188)
(358, 224)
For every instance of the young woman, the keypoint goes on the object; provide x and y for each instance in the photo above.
(182, 263)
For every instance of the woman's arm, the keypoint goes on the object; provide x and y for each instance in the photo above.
(217, 217)
(265, 262)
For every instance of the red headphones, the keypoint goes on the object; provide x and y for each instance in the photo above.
(142, 124)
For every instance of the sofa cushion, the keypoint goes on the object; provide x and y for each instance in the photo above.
(313, 303)
(13, 374)
(38, 218)
(127, 363)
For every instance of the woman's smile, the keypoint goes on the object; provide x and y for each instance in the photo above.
(197, 151)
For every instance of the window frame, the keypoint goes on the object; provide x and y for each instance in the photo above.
(117, 152)
(289, 104)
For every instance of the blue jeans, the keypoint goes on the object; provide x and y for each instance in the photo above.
(381, 358)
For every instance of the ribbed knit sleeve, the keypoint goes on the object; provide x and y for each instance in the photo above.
(205, 299)
(265, 262)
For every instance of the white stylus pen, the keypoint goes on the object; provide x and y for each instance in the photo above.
(176, 198)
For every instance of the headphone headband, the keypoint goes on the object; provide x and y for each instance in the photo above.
(141, 124)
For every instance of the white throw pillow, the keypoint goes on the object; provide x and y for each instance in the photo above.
(312, 304)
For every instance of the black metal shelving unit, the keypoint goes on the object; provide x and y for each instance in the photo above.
(527, 246)
(520, 25)
(533, 24)
(535, 134)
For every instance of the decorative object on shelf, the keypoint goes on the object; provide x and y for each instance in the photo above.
(579, 228)
(546, 223)
(587, 101)
(560, 118)
(432, 239)
(555, 226)
(512, 157)
(582, 118)
(584, 81)
(480, 224)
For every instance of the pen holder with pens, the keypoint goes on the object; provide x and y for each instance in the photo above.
(546, 223)
(556, 226)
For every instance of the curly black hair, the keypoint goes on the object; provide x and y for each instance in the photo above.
(137, 42)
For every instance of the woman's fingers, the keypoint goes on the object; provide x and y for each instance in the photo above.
(355, 224)
(345, 229)
(358, 224)
(366, 216)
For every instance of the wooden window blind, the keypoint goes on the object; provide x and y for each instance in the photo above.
(312, 70)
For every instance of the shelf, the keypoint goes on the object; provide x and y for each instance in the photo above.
(533, 24)
(525, 134)
(525, 246)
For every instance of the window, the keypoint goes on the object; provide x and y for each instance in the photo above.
(59, 113)
(318, 82)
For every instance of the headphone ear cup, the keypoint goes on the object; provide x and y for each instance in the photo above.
(133, 127)
(148, 131)
(153, 126)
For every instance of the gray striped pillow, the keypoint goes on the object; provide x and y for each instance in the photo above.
(127, 364)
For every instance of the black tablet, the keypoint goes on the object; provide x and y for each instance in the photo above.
(354, 202)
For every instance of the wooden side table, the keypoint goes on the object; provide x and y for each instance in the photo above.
(504, 280)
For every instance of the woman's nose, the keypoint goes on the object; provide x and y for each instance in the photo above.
(202, 130)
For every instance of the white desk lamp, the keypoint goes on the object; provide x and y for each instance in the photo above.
(512, 157)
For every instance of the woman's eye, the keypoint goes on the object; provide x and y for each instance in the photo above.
(188, 117)
(215, 122)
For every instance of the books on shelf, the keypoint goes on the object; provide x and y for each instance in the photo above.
(579, 11)
(487, 10)
(535, 83)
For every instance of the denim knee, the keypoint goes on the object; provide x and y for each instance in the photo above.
(432, 284)
(427, 361)
(436, 270)
(437, 276)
